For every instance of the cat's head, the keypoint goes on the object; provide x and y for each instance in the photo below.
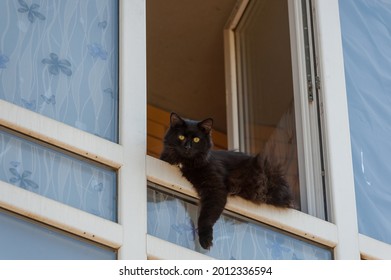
(187, 138)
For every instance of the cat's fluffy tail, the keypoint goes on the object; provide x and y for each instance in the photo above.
(275, 189)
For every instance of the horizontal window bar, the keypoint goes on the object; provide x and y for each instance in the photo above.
(60, 135)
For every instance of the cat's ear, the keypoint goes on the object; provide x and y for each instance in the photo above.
(176, 120)
(206, 125)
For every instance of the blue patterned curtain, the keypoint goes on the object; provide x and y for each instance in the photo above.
(59, 58)
(366, 37)
(62, 177)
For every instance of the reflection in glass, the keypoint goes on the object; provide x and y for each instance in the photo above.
(366, 40)
(265, 87)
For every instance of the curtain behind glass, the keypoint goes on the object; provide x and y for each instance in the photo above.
(59, 58)
(58, 175)
(174, 219)
(366, 36)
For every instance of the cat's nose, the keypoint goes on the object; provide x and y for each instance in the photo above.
(187, 145)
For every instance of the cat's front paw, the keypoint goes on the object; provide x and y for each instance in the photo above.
(205, 238)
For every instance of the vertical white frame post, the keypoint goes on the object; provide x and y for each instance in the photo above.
(132, 176)
(299, 82)
(231, 91)
(336, 125)
(231, 84)
(306, 116)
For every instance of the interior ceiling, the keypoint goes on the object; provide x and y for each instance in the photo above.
(185, 57)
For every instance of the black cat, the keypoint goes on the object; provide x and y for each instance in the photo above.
(217, 174)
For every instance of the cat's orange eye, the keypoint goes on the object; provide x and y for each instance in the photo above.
(196, 139)
(181, 137)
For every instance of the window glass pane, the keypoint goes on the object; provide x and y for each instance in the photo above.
(366, 36)
(60, 59)
(59, 176)
(174, 219)
(265, 87)
(21, 239)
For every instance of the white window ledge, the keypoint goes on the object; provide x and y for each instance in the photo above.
(289, 220)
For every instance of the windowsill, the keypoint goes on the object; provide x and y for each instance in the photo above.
(289, 220)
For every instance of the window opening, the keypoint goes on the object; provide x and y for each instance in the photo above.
(185, 65)
(269, 105)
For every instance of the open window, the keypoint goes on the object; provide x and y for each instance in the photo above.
(267, 101)
(185, 65)
(250, 65)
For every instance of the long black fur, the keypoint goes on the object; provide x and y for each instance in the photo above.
(217, 174)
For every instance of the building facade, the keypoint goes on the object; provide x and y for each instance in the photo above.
(82, 113)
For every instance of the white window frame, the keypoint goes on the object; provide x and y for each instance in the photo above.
(341, 234)
(129, 235)
(128, 157)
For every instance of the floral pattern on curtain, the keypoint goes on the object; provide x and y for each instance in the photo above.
(60, 59)
(59, 176)
(174, 219)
